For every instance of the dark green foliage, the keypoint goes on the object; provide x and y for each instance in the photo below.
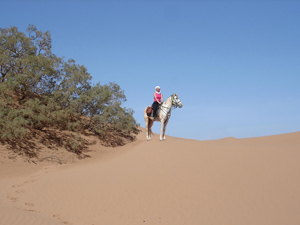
(40, 91)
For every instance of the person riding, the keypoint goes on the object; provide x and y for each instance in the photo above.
(158, 100)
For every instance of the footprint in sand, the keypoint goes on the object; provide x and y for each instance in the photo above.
(29, 204)
(25, 182)
(34, 180)
(30, 210)
(13, 199)
(57, 216)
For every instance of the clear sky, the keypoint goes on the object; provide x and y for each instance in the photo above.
(234, 64)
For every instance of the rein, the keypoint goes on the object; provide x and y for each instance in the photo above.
(173, 105)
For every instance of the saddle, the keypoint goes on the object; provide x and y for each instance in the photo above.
(149, 110)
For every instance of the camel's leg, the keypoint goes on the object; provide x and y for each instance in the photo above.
(164, 130)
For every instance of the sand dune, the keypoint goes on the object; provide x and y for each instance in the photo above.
(178, 181)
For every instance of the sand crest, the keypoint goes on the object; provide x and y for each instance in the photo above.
(178, 181)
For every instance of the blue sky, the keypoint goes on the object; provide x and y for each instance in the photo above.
(234, 64)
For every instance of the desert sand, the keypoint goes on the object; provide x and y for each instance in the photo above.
(175, 182)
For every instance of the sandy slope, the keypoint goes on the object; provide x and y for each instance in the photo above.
(178, 181)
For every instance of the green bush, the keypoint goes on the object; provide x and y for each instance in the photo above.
(39, 91)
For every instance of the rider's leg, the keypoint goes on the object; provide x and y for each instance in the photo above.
(154, 105)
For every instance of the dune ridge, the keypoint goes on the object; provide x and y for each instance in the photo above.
(177, 181)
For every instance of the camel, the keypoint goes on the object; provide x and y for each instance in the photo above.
(163, 115)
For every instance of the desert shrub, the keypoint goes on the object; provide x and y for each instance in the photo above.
(39, 90)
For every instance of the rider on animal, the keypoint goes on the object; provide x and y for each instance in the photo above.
(158, 100)
(163, 112)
